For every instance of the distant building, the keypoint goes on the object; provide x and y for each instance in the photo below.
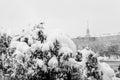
(87, 31)
(97, 43)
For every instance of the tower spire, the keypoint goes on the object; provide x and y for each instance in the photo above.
(87, 30)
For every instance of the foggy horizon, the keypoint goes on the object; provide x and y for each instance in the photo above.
(71, 16)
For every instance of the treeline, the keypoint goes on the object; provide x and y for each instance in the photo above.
(105, 47)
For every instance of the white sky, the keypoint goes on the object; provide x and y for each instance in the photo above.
(68, 15)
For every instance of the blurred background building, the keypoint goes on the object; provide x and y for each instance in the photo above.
(105, 45)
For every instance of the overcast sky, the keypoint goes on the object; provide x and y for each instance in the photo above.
(71, 16)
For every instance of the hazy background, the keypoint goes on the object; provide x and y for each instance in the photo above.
(70, 15)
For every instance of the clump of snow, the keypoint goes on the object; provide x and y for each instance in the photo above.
(62, 39)
(86, 52)
(14, 44)
(46, 46)
(108, 72)
(73, 63)
(23, 47)
(18, 55)
(40, 63)
(66, 50)
(36, 46)
(20, 46)
(53, 62)
(30, 71)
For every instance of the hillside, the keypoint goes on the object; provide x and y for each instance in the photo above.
(105, 45)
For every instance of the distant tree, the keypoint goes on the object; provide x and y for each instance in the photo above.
(113, 48)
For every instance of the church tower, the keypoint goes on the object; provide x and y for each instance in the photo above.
(87, 30)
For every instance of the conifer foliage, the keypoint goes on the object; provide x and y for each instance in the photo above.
(92, 68)
(36, 56)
